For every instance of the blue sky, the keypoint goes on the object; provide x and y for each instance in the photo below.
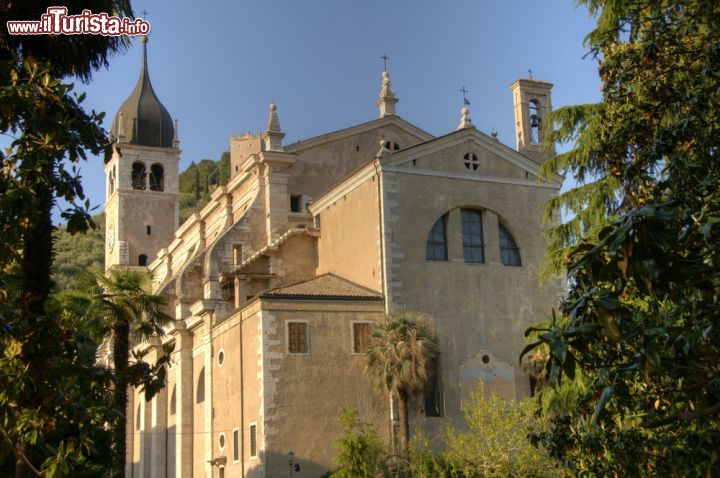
(216, 66)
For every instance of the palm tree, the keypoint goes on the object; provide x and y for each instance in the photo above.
(399, 353)
(122, 299)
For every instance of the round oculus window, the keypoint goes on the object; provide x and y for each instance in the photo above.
(221, 357)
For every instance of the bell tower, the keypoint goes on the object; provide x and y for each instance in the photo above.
(141, 177)
(532, 103)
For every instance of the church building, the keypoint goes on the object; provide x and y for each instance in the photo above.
(277, 282)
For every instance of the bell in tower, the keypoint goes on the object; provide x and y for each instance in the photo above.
(532, 103)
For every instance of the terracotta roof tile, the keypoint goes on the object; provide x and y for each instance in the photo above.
(326, 286)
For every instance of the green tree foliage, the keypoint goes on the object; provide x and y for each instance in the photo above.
(641, 322)
(40, 371)
(361, 450)
(398, 355)
(123, 301)
(75, 253)
(50, 132)
(492, 442)
(496, 441)
(198, 180)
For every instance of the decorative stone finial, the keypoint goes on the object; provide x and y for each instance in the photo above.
(121, 128)
(176, 138)
(494, 133)
(383, 148)
(273, 132)
(465, 121)
(388, 100)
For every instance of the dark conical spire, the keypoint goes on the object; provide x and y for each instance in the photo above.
(145, 121)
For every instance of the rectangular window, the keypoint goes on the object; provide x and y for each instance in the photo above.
(228, 291)
(236, 445)
(432, 390)
(295, 203)
(221, 472)
(361, 334)
(149, 229)
(237, 254)
(297, 337)
(472, 232)
(253, 440)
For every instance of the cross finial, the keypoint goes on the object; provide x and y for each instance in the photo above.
(530, 73)
(144, 13)
(465, 91)
(385, 58)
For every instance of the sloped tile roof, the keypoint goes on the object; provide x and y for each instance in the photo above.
(327, 286)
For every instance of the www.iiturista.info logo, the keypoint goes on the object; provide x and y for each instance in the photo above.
(56, 21)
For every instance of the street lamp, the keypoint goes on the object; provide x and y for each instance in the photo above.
(294, 466)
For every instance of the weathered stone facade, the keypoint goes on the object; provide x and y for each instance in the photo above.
(270, 281)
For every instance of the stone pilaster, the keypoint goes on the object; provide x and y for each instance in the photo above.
(159, 413)
(184, 408)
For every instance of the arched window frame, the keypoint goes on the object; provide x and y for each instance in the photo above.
(157, 177)
(534, 111)
(138, 174)
(436, 244)
(509, 251)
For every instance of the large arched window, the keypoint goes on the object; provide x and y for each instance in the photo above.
(200, 392)
(138, 176)
(534, 108)
(509, 252)
(436, 246)
(157, 178)
(472, 234)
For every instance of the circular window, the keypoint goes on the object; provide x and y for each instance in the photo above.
(485, 359)
(221, 441)
(221, 357)
(471, 161)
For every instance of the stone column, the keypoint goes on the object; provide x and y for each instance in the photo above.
(158, 459)
(184, 407)
(145, 436)
(208, 404)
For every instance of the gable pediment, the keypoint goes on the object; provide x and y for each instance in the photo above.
(387, 124)
(466, 153)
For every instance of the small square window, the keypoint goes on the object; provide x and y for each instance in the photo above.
(297, 337)
(361, 334)
(295, 203)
